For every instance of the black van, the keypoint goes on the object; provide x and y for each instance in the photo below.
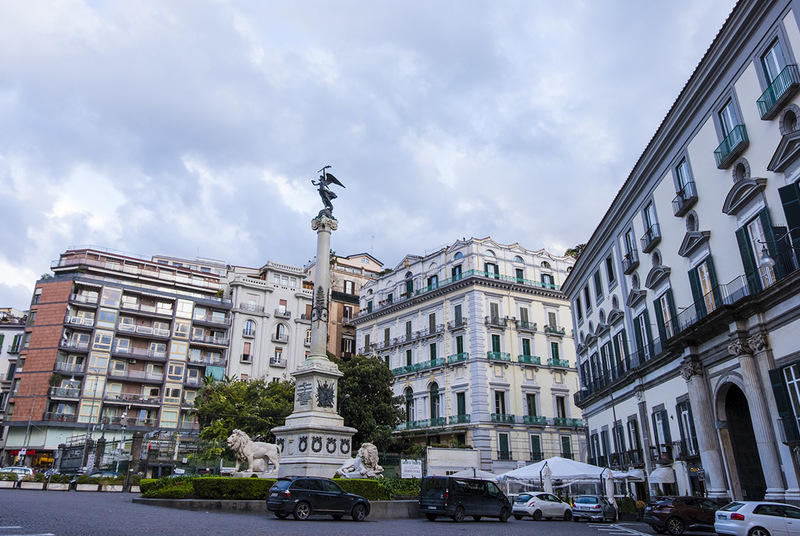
(461, 497)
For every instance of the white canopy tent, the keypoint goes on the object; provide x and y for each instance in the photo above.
(475, 473)
(561, 469)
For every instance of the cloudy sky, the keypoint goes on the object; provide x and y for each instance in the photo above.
(194, 128)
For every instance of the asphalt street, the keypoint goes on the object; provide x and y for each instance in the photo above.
(40, 513)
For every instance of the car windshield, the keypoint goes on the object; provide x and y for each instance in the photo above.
(281, 484)
(525, 497)
(586, 500)
(732, 507)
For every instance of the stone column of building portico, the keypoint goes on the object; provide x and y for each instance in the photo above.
(314, 440)
(762, 426)
(710, 455)
(759, 344)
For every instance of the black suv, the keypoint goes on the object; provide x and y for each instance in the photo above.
(678, 514)
(303, 496)
(461, 497)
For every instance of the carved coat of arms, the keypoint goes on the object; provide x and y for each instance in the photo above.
(326, 394)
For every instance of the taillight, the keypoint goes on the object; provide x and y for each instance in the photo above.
(598, 506)
(285, 493)
(737, 517)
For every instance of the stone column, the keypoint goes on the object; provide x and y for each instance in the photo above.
(324, 225)
(762, 425)
(703, 417)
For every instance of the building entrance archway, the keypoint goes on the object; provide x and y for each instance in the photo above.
(743, 445)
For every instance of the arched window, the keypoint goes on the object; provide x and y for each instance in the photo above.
(519, 260)
(545, 265)
(409, 404)
(280, 332)
(457, 256)
(250, 328)
(434, 393)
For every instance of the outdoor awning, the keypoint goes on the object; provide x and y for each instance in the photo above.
(637, 475)
(662, 475)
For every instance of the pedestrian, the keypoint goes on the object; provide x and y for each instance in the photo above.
(640, 510)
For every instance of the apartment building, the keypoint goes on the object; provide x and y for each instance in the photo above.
(12, 329)
(478, 338)
(686, 299)
(114, 343)
(348, 275)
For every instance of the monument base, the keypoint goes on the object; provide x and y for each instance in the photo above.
(313, 449)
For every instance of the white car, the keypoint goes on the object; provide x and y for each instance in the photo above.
(19, 471)
(757, 518)
(540, 505)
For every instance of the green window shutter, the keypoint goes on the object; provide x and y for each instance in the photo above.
(662, 332)
(712, 275)
(672, 311)
(536, 447)
(433, 352)
(697, 294)
(649, 341)
(790, 198)
(667, 434)
(607, 352)
(566, 446)
(638, 334)
(617, 350)
(495, 343)
(748, 260)
(625, 353)
(783, 404)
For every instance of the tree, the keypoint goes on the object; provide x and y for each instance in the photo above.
(576, 251)
(366, 400)
(254, 406)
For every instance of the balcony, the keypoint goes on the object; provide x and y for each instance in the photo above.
(248, 333)
(567, 422)
(147, 309)
(504, 455)
(251, 307)
(731, 147)
(65, 392)
(458, 358)
(536, 420)
(144, 353)
(206, 360)
(496, 322)
(84, 299)
(554, 330)
(144, 331)
(630, 262)
(526, 326)
(436, 422)
(140, 375)
(214, 319)
(69, 368)
(498, 356)
(283, 313)
(79, 321)
(280, 337)
(277, 362)
(661, 453)
(132, 399)
(779, 92)
(54, 416)
(459, 419)
(14, 348)
(651, 238)
(207, 339)
(685, 199)
(553, 362)
(506, 418)
(193, 382)
(74, 345)
(418, 367)
(458, 323)
(529, 359)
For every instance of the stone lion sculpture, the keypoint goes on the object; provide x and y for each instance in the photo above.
(364, 465)
(257, 454)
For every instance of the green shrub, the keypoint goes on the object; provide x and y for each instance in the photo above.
(145, 484)
(371, 490)
(181, 490)
(84, 479)
(626, 505)
(400, 488)
(110, 480)
(228, 488)
(61, 479)
(8, 476)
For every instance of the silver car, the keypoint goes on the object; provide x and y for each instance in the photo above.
(757, 518)
(593, 508)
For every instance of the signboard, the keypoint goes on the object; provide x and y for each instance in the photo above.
(303, 393)
(410, 468)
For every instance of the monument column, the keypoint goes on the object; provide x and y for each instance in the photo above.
(762, 426)
(710, 454)
(314, 440)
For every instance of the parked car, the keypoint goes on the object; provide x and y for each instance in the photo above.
(541, 505)
(757, 518)
(593, 508)
(21, 472)
(462, 497)
(679, 514)
(304, 496)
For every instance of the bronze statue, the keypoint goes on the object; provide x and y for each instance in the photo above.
(325, 192)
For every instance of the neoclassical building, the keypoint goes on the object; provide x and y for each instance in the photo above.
(686, 299)
(478, 337)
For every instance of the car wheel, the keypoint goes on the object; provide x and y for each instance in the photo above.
(758, 531)
(431, 517)
(458, 516)
(537, 515)
(476, 518)
(302, 511)
(675, 526)
(504, 515)
(337, 517)
(281, 515)
(567, 515)
(517, 517)
(359, 512)
(576, 519)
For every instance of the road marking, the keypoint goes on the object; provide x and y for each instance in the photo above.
(11, 527)
(42, 534)
(627, 530)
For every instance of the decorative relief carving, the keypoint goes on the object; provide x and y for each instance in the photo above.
(281, 443)
(324, 223)
(316, 443)
(326, 395)
(330, 445)
(739, 347)
(691, 369)
(758, 342)
(320, 310)
(302, 444)
(344, 446)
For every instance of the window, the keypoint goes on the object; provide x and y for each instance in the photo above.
(369, 306)
(408, 329)
(728, 118)
(661, 427)
(433, 282)
(106, 319)
(111, 297)
(494, 313)
(619, 438)
(89, 411)
(432, 323)
(503, 448)
(495, 343)
(184, 309)
(578, 309)
(500, 402)
(181, 329)
(598, 286)
(610, 271)
(650, 217)
(552, 319)
(366, 340)
(387, 334)
(554, 350)
(409, 404)
(665, 315)
(432, 349)
(536, 448)
(587, 298)
(703, 282)
(175, 372)
(520, 273)
(548, 281)
(409, 358)
(686, 425)
(561, 406)
(455, 272)
(457, 314)
(102, 340)
(435, 404)
(566, 447)
(641, 326)
(633, 438)
(526, 347)
(249, 328)
(409, 284)
(773, 61)
(530, 400)
(348, 312)
(459, 344)
(461, 403)
(492, 270)
(172, 393)
(349, 287)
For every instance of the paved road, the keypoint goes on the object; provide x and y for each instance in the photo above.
(40, 513)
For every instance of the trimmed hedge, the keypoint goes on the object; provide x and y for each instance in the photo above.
(232, 488)
(182, 490)
(369, 489)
